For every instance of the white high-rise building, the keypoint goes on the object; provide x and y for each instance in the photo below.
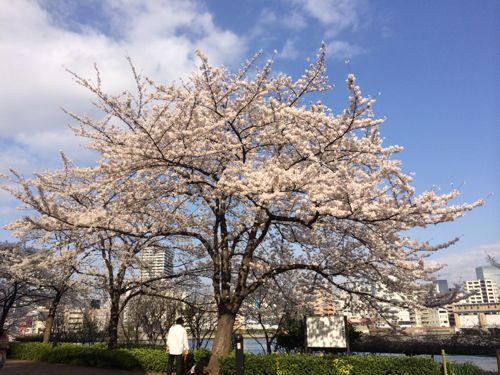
(489, 273)
(485, 291)
(157, 262)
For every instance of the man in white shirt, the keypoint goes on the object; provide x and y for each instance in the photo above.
(177, 345)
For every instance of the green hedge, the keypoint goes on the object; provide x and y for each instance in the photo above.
(35, 351)
(463, 369)
(154, 359)
(129, 358)
(303, 364)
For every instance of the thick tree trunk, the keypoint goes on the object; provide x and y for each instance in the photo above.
(7, 306)
(222, 341)
(49, 323)
(3, 317)
(114, 318)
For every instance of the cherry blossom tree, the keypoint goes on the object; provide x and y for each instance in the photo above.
(51, 268)
(53, 271)
(16, 290)
(66, 204)
(247, 178)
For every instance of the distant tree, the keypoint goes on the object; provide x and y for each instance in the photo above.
(90, 331)
(200, 315)
(158, 314)
(247, 179)
(291, 335)
(130, 321)
(53, 270)
(16, 291)
(267, 309)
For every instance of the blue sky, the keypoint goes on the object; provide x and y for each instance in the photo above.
(434, 67)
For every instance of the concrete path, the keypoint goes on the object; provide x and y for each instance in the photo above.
(18, 367)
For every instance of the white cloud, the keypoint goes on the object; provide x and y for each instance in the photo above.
(35, 46)
(38, 39)
(460, 266)
(289, 50)
(291, 20)
(340, 49)
(337, 14)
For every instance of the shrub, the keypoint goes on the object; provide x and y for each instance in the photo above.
(255, 364)
(463, 369)
(151, 359)
(154, 359)
(393, 365)
(307, 364)
(93, 357)
(35, 351)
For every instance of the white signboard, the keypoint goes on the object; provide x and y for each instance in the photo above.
(325, 332)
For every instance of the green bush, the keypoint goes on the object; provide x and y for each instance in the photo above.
(153, 359)
(93, 357)
(35, 351)
(255, 364)
(306, 364)
(150, 359)
(393, 365)
(463, 369)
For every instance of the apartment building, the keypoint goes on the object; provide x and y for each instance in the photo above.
(157, 262)
(485, 291)
(489, 273)
(324, 302)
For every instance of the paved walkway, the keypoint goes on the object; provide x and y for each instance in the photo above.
(18, 367)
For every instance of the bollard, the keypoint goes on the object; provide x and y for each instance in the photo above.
(445, 365)
(238, 348)
(498, 360)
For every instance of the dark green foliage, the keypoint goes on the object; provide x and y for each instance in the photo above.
(254, 364)
(303, 364)
(200, 357)
(153, 359)
(35, 351)
(93, 357)
(393, 365)
(463, 369)
(354, 336)
(290, 336)
(429, 344)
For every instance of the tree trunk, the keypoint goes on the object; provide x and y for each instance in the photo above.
(114, 318)
(3, 317)
(49, 323)
(7, 305)
(222, 341)
(269, 347)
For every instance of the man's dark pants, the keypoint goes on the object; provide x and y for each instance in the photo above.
(179, 364)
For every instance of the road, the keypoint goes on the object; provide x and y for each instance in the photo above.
(18, 367)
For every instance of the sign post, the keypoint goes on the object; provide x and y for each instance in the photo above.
(347, 342)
